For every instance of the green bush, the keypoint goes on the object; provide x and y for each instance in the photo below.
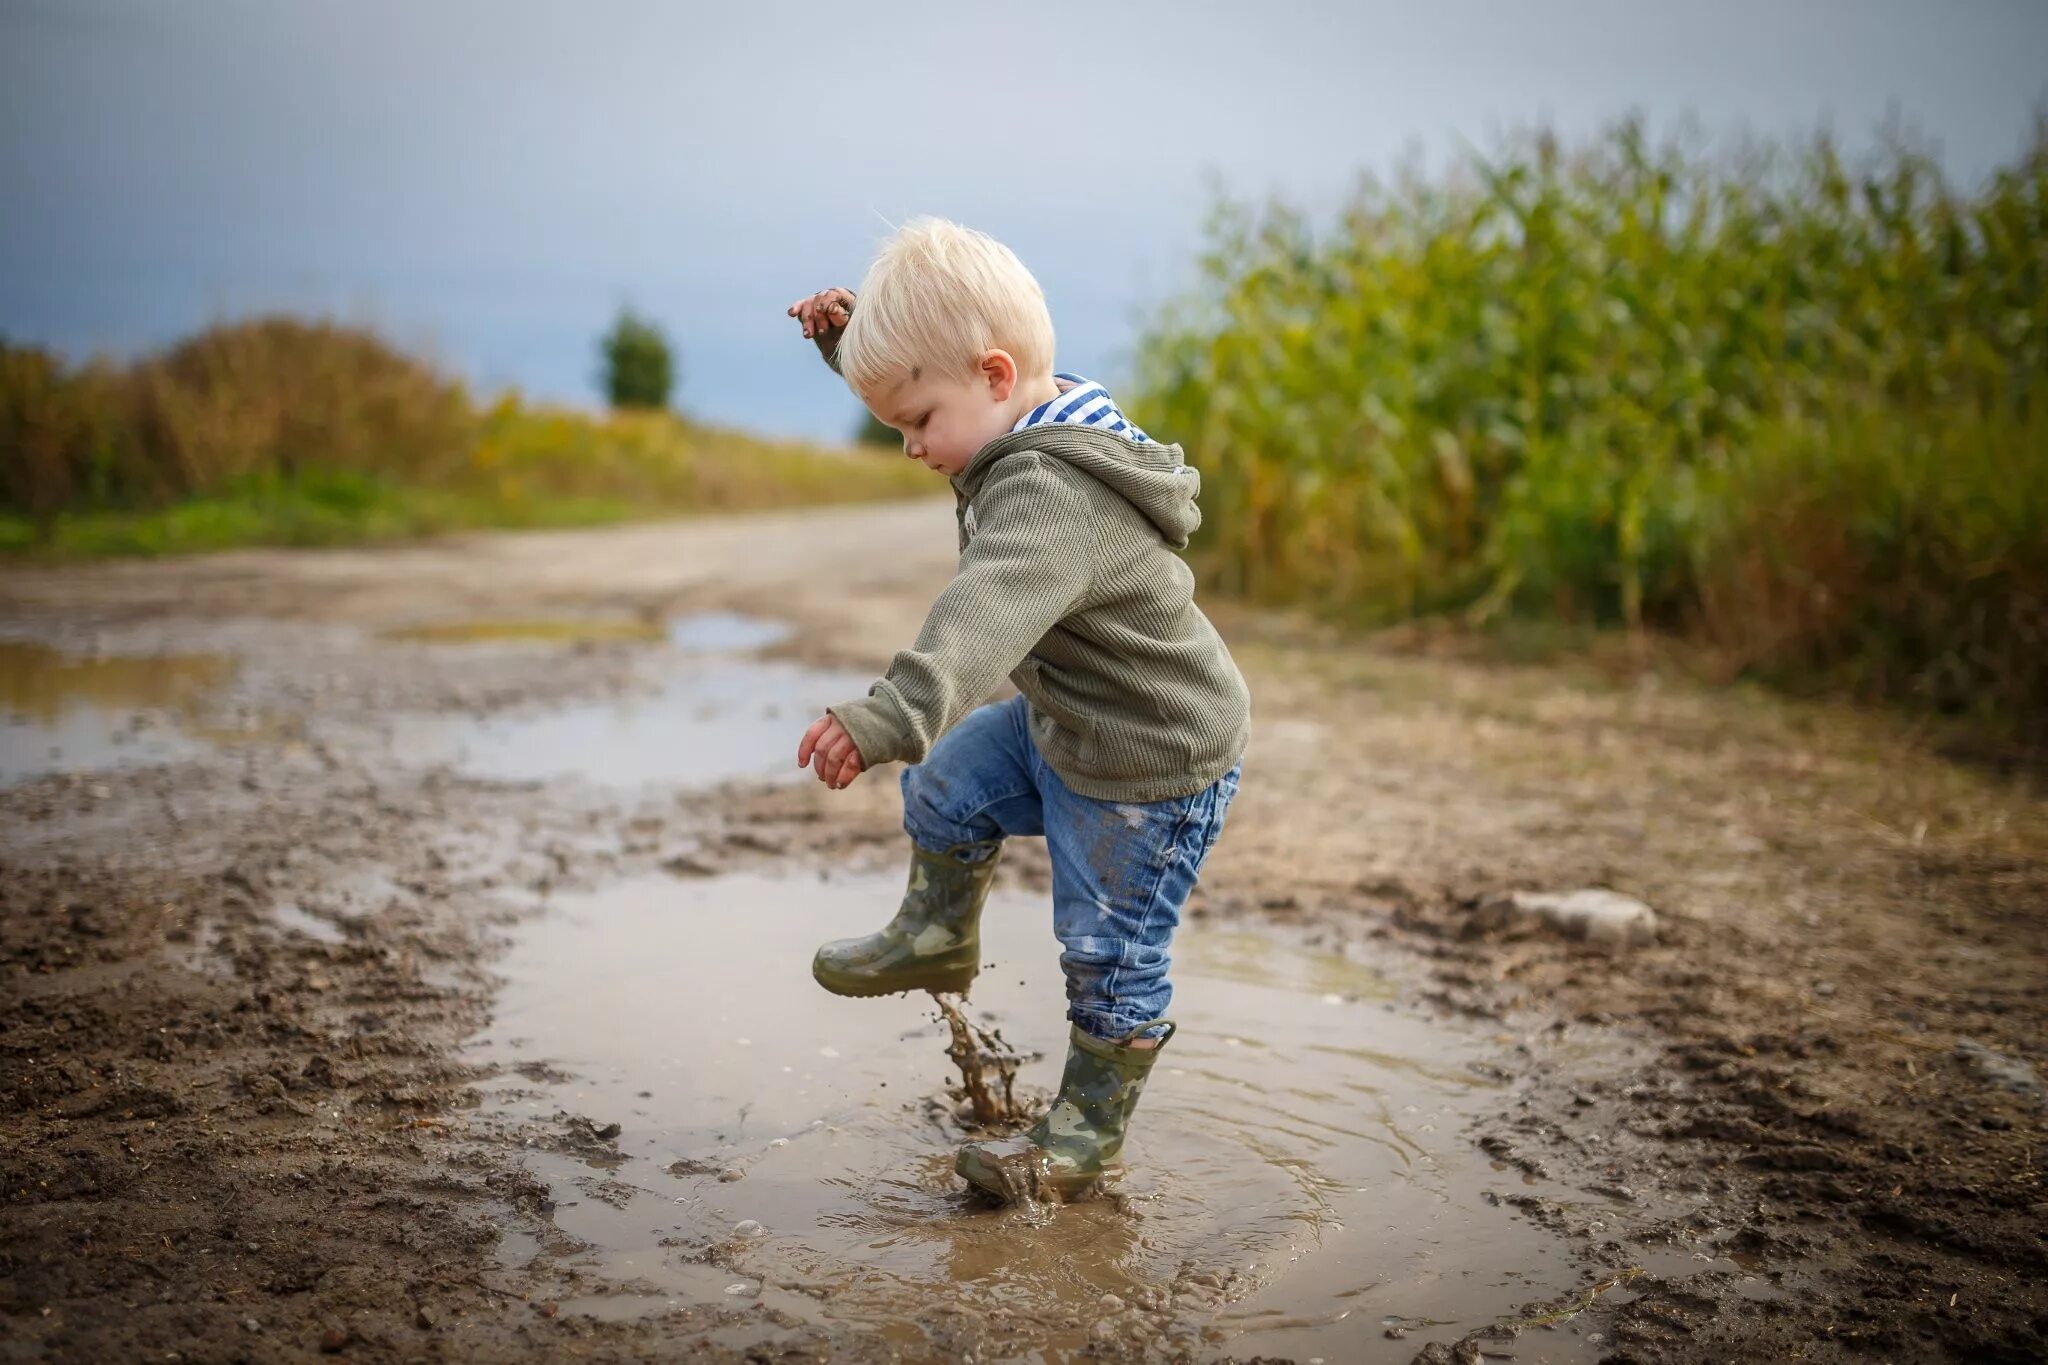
(638, 371)
(1787, 405)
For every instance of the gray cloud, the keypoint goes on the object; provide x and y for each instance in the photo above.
(491, 180)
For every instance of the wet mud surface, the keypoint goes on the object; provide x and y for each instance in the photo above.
(406, 957)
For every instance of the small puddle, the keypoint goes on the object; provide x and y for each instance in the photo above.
(713, 721)
(725, 631)
(79, 713)
(542, 631)
(1298, 1175)
(295, 918)
(715, 715)
(711, 631)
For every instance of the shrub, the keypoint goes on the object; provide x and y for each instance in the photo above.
(638, 370)
(268, 396)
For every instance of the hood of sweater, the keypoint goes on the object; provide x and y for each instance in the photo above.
(1152, 476)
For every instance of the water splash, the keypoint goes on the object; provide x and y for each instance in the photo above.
(988, 1069)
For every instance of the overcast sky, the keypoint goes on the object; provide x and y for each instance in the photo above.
(491, 180)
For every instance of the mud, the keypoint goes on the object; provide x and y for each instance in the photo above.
(351, 1009)
(986, 1096)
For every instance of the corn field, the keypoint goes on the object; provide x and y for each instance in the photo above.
(1791, 407)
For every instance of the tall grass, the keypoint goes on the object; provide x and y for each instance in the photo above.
(1794, 408)
(286, 431)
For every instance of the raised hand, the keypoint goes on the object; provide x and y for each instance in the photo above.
(824, 316)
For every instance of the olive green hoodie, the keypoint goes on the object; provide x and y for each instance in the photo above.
(1069, 584)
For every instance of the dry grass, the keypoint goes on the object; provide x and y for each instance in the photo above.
(279, 430)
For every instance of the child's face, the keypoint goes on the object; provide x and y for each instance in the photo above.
(945, 418)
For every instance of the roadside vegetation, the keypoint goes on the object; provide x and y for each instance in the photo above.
(1791, 410)
(289, 432)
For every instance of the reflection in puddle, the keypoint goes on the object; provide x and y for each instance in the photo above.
(717, 715)
(72, 712)
(1297, 1172)
(558, 631)
(715, 719)
(707, 632)
(726, 632)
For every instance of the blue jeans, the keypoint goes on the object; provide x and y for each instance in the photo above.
(1120, 870)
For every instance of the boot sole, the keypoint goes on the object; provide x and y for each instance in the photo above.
(950, 979)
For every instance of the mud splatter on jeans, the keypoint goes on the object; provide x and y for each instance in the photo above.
(1121, 870)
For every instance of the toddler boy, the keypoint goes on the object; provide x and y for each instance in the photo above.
(1122, 748)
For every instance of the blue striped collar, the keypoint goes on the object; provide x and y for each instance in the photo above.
(1084, 403)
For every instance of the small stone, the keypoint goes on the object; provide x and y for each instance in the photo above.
(748, 1227)
(1111, 1303)
(1995, 1068)
(1607, 918)
(828, 1051)
(427, 1318)
(333, 1339)
(251, 1325)
(549, 1309)
(780, 1142)
(731, 1173)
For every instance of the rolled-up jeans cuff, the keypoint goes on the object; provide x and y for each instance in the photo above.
(1111, 1025)
(973, 851)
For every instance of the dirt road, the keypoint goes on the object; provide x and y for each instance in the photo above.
(404, 959)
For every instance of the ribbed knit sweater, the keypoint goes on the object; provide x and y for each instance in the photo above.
(1069, 584)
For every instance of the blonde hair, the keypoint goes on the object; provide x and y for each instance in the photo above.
(938, 296)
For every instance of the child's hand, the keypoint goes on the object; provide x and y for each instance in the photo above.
(830, 751)
(824, 316)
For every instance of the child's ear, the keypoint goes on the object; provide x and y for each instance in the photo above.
(999, 370)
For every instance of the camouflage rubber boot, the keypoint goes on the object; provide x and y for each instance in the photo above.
(933, 943)
(1066, 1152)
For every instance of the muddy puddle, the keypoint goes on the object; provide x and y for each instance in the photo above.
(1299, 1180)
(67, 712)
(711, 713)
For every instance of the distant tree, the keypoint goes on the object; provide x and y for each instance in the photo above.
(639, 368)
(873, 431)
